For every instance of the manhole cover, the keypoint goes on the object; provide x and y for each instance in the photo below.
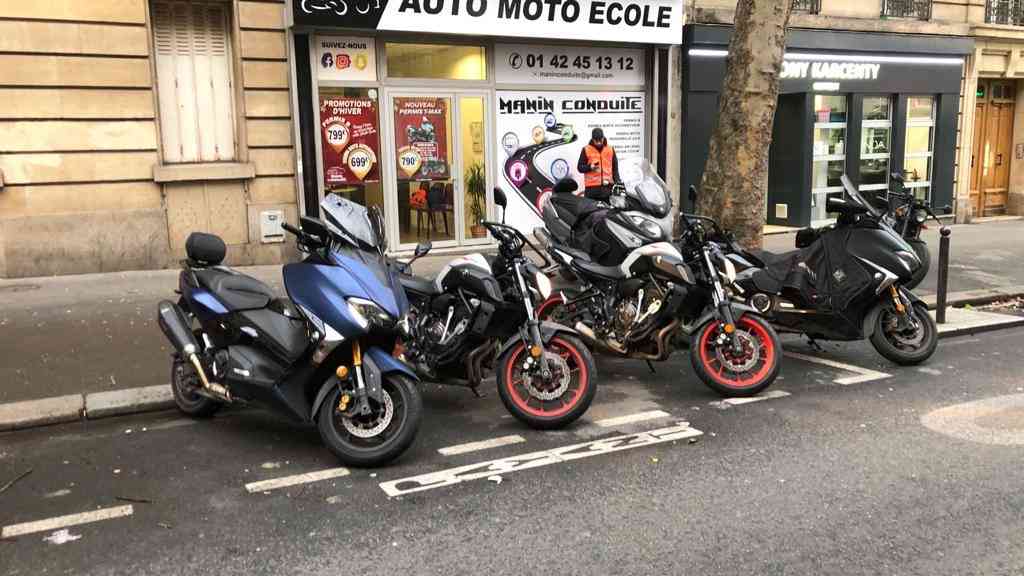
(19, 288)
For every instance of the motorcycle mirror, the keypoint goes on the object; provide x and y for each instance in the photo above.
(423, 248)
(897, 177)
(499, 198)
(693, 194)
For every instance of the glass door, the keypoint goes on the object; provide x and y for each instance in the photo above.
(829, 161)
(438, 184)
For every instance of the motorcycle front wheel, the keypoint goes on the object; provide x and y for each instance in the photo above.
(736, 374)
(376, 438)
(556, 401)
(908, 346)
(921, 249)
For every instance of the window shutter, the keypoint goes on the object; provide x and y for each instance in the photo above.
(194, 76)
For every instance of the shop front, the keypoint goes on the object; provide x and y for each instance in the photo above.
(863, 104)
(422, 107)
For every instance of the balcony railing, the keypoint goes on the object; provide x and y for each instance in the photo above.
(1005, 12)
(809, 6)
(920, 9)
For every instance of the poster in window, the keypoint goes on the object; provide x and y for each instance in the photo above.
(351, 140)
(421, 138)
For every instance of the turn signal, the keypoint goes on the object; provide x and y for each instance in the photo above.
(536, 351)
(729, 328)
(342, 372)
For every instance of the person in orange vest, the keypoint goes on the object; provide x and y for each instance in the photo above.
(599, 165)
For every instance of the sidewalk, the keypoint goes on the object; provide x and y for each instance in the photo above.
(75, 335)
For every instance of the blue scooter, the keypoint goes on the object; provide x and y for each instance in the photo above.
(321, 356)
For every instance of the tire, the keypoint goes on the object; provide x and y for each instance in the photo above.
(729, 383)
(897, 349)
(550, 308)
(541, 413)
(383, 447)
(921, 249)
(184, 381)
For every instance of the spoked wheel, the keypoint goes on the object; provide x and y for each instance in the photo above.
(906, 343)
(185, 387)
(553, 402)
(378, 437)
(735, 373)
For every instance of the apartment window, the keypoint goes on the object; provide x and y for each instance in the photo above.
(920, 9)
(809, 6)
(194, 82)
(875, 139)
(1004, 12)
(917, 160)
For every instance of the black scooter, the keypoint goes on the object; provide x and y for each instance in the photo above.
(844, 282)
(907, 214)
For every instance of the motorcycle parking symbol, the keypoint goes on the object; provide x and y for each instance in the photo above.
(515, 60)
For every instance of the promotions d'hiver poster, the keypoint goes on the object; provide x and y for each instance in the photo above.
(541, 135)
(351, 140)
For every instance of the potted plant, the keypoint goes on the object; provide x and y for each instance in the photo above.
(476, 187)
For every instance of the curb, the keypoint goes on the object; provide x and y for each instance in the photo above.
(969, 331)
(75, 407)
(977, 297)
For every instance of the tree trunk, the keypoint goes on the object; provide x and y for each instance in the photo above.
(735, 180)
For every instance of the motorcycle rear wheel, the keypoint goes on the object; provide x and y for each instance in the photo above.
(184, 383)
(903, 348)
(548, 405)
(728, 375)
(362, 444)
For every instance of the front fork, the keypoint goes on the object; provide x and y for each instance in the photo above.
(532, 334)
(362, 404)
(725, 313)
(903, 309)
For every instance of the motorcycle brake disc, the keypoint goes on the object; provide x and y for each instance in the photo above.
(377, 423)
(558, 365)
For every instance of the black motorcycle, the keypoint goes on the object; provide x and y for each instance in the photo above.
(846, 281)
(477, 317)
(907, 214)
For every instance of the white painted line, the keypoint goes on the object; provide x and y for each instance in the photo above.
(286, 481)
(511, 464)
(481, 445)
(862, 374)
(769, 395)
(59, 522)
(631, 418)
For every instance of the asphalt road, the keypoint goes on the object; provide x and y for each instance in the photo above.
(829, 479)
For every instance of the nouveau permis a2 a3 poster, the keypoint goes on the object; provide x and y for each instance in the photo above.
(541, 134)
(351, 140)
(421, 138)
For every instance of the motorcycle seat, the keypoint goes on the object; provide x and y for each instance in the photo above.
(418, 285)
(773, 260)
(236, 291)
(574, 209)
(593, 269)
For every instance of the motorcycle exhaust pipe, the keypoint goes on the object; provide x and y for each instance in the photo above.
(586, 332)
(175, 327)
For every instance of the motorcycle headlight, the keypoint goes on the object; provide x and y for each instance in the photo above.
(543, 285)
(649, 228)
(367, 313)
(920, 216)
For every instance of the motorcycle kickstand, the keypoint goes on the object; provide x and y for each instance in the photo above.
(814, 344)
(651, 367)
(475, 389)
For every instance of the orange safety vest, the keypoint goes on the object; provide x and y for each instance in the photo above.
(604, 157)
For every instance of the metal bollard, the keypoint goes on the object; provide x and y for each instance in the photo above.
(940, 299)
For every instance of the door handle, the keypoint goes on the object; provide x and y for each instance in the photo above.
(999, 159)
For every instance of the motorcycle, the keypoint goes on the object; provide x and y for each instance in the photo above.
(322, 356)
(657, 299)
(846, 281)
(477, 316)
(906, 214)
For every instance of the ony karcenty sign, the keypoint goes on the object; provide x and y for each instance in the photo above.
(631, 21)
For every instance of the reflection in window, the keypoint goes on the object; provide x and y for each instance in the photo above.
(876, 134)
(446, 62)
(829, 159)
(917, 164)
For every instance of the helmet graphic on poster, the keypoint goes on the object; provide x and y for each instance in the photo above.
(510, 142)
(538, 135)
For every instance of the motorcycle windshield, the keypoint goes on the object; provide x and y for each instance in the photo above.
(857, 197)
(350, 221)
(644, 184)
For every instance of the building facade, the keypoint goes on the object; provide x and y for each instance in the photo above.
(126, 124)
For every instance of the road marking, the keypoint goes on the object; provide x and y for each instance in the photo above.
(862, 374)
(769, 395)
(286, 481)
(631, 418)
(59, 522)
(481, 445)
(511, 464)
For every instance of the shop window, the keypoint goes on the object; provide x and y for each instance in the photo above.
(917, 164)
(350, 142)
(829, 160)
(194, 87)
(436, 61)
(876, 136)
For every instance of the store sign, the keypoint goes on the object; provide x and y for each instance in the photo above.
(346, 58)
(541, 135)
(536, 64)
(351, 140)
(421, 138)
(631, 21)
(830, 70)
